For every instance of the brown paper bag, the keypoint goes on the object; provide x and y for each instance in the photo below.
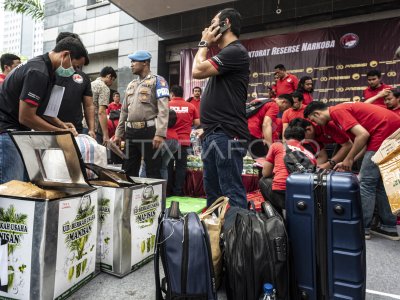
(214, 227)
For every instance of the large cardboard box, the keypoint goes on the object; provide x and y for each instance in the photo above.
(128, 223)
(51, 243)
(388, 160)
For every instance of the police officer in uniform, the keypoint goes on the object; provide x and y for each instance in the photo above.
(144, 117)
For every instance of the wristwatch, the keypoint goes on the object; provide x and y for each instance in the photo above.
(203, 44)
(332, 162)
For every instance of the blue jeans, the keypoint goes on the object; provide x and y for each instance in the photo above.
(11, 164)
(167, 153)
(372, 189)
(223, 165)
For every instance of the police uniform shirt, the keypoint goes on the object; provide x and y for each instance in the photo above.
(31, 82)
(76, 88)
(146, 100)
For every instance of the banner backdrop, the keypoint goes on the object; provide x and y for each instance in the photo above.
(337, 59)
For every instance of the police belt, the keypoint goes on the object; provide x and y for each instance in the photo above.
(140, 125)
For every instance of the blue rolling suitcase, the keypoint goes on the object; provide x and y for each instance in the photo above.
(326, 234)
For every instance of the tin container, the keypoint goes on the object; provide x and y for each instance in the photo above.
(128, 224)
(52, 244)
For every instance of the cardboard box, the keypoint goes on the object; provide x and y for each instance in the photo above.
(128, 218)
(51, 243)
(388, 160)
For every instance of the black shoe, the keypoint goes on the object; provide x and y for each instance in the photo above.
(394, 236)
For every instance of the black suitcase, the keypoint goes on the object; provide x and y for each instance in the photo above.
(326, 234)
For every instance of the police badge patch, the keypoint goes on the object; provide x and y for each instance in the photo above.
(162, 89)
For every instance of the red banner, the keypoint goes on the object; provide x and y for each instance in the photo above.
(337, 59)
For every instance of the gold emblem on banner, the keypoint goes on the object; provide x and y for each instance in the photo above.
(309, 70)
(373, 63)
(339, 89)
(355, 76)
(391, 74)
(339, 67)
(267, 83)
(356, 99)
(254, 95)
(255, 75)
(324, 78)
(324, 100)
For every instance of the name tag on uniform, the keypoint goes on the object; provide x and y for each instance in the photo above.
(56, 96)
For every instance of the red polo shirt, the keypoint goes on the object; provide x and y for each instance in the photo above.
(290, 114)
(196, 103)
(396, 111)
(286, 85)
(113, 106)
(328, 134)
(171, 134)
(270, 109)
(185, 113)
(379, 122)
(308, 98)
(277, 128)
(368, 93)
(276, 155)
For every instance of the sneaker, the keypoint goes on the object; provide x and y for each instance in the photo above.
(394, 236)
(367, 236)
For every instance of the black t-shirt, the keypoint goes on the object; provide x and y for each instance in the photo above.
(76, 87)
(223, 103)
(31, 82)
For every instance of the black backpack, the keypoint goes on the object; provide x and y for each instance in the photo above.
(184, 246)
(255, 252)
(114, 115)
(297, 161)
(254, 106)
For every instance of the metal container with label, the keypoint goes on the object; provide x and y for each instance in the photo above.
(52, 244)
(128, 224)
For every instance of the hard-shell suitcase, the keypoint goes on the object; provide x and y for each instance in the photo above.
(326, 235)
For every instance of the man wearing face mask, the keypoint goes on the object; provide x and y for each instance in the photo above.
(24, 98)
(77, 93)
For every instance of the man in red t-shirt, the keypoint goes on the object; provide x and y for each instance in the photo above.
(392, 101)
(115, 105)
(306, 88)
(187, 116)
(195, 99)
(8, 62)
(370, 94)
(274, 165)
(286, 83)
(318, 136)
(261, 127)
(370, 125)
(296, 111)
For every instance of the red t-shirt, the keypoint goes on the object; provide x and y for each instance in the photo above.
(275, 156)
(277, 128)
(171, 134)
(112, 125)
(196, 103)
(270, 109)
(290, 114)
(379, 122)
(368, 93)
(286, 85)
(396, 111)
(307, 98)
(186, 112)
(328, 134)
(113, 106)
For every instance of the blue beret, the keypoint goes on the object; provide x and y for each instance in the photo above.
(140, 55)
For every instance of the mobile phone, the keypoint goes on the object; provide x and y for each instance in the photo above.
(223, 27)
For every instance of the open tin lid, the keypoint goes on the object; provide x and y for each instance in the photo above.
(51, 158)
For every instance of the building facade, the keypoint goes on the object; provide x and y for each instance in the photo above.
(108, 33)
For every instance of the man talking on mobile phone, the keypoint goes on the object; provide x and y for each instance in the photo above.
(222, 109)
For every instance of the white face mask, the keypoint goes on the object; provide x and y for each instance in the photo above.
(63, 72)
